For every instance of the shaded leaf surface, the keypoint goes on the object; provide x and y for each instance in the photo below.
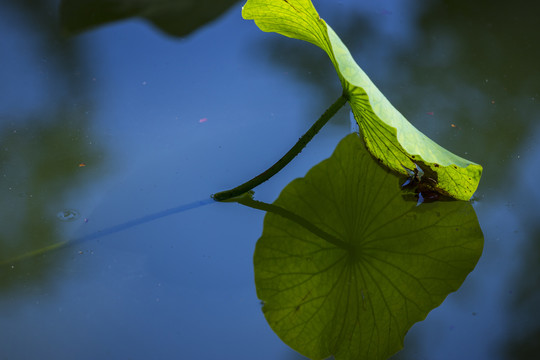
(367, 265)
(388, 135)
(175, 17)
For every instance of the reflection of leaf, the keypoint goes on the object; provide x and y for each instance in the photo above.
(175, 17)
(42, 166)
(388, 135)
(345, 266)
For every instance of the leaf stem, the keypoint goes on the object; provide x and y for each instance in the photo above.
(34, 253)
(291, 154)
(248, 201)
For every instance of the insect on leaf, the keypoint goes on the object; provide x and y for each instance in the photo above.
(388, 135)
(346, 265)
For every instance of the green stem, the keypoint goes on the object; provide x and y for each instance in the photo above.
(33, 253)
(281, 163)
(248, 201)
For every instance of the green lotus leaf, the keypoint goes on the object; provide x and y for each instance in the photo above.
(346, 265)
(388, 135)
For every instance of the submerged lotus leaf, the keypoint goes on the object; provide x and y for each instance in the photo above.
(345, 265)
(388, 135)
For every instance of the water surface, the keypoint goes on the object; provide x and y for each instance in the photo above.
(123, 122)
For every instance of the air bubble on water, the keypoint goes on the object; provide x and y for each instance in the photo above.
(68, 215)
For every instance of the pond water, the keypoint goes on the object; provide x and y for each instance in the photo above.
(113, 140)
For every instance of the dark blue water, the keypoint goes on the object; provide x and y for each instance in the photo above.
(128, 126)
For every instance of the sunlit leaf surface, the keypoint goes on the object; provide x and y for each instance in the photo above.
(388, 135)
(345, 265)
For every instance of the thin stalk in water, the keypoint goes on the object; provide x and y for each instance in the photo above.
(287, 158)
